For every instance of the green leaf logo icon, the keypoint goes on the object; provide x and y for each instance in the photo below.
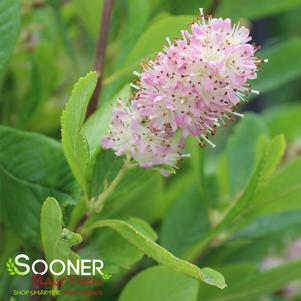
(106, 276)
(10, 266)
(12, 269)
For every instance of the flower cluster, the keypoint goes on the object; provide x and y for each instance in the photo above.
(190, 87)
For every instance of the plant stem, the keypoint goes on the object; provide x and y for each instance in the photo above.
(100, 54)
(95, 205)
(213, 7)
(98, 204)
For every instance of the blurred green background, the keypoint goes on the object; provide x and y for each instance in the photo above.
(56, 44)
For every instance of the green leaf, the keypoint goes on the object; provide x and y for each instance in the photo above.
(282, 192)
(240, 151)
(133, 178)
(152, 39)
(161, 255)
(197, 162)
(75, 144)
(56, 241)
(253, 10)
(92, 9)
(97, 125)
(251, 288)
(189, 7)
(176, 187)
(9, 28)
(43, 77)
(279, 70)
(143, 201)
(233, 274)
(265, 224)
(136, 19)
(117, 253)
(32, 167)
(161, 284)
(11, 246)
(106, 167)
(143, 227)
(268, 157)
(284, 119)
(276, 149)
(270, 154)
(186, 223)
(244, 250)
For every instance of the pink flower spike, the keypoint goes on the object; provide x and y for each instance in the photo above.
(188, 88)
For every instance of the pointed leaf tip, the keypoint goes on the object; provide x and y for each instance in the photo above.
(213, 277)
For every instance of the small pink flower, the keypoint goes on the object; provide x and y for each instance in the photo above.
(120, 136)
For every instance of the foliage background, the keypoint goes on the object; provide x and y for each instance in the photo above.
(45, 46)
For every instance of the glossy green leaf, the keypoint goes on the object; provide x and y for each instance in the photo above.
(43, 77)
(180, 183)
(284, 119)
(233, 274)
(189, 7)
(276, 150)
(9, 28)
(117, 253)
(251, 288)
(197, 162)
(32, 167)
(89, 14)
(254, 9)
(105, 169)
(269, 154)
(132, 179)
(56, 240)
(268, 158)
(186, 223)
(279, 70)
(143, 227)
(265, 224)
(161, 284)
(282, 192)
(142, 201)
(153, 38)
(75, 144)
(240, 151)
(11, 247)
(136, 19)
(161, 255)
